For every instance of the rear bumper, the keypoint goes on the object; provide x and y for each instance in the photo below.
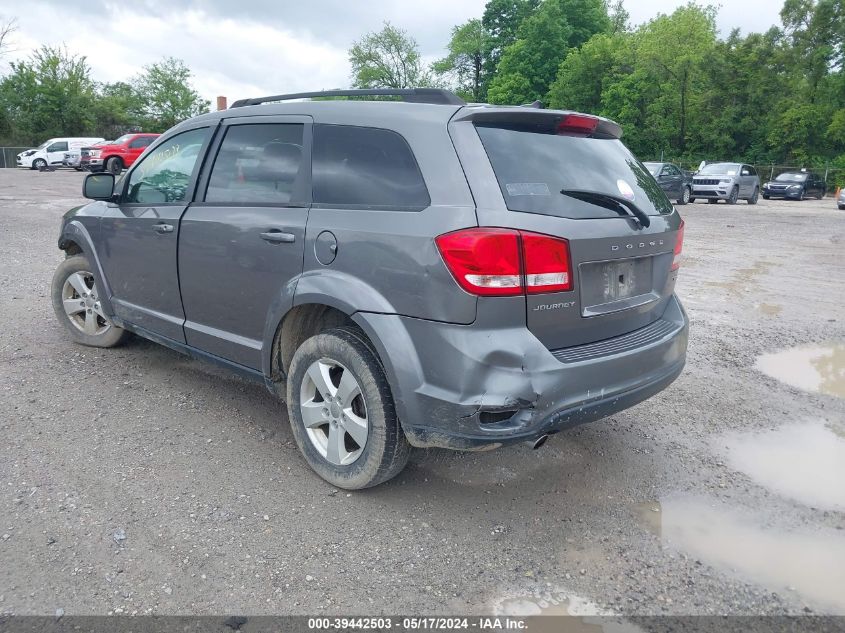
(474, 388)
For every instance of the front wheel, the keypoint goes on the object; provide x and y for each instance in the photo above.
(76, 302)
(342, 413)
(685, 196)
(734, 196)
(114, 165)
(39, 164)
(754, 197)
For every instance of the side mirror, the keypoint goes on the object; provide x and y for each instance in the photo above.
(98, 186)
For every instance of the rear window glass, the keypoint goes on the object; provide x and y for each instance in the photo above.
(365, 167)
(533, 167)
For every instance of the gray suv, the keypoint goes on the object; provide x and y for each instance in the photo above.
(726, 181)
(419, 273)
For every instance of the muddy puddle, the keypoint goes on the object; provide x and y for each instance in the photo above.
(813, 368)
(810, 562)
(589, 617)
(805, 462)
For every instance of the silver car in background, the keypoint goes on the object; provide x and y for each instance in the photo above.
(72, 158)
(726, 181)
(840, 200)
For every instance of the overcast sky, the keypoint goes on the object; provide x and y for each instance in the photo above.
(255, 47)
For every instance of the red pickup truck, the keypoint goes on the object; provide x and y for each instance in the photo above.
(115, 156)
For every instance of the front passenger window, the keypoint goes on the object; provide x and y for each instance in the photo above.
(164, 174)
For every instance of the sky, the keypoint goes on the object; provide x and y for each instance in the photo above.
(259, 47)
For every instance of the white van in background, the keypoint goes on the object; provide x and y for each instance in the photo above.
(52, 152)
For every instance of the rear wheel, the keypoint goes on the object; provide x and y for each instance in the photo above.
(734, 195)
(342, 413)
(754, 197)
(685, 196)
(114, 165)
(76, 302)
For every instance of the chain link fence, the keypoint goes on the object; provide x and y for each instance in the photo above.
(9, 156)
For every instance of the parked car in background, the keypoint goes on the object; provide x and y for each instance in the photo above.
(52, 152)
(427, 273)
(675, 182)
(840, 201)
(72, 159)
(726, 181)
(797, 185)
(117, 155)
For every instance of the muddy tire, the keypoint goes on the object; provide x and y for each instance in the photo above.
(342, 413)
(77, 306)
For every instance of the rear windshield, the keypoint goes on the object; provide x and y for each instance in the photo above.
(533, 167)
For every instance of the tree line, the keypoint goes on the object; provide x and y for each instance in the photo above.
(677, 89)
(51, 93)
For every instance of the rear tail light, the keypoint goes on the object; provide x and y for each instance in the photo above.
(577, 124)
(679, 245)
(504, 262)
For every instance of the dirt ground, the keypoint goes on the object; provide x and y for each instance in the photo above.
(136, 480)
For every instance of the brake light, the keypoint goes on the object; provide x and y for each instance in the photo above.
(505, 262)
(484, 261)
(577, 124)
(546, 262)
(679, 245)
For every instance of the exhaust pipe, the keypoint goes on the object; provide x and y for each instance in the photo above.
(540, 441)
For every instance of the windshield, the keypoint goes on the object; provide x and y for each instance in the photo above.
(791, 177)
(533, 167)
(123, 139)
(653, 168)
(731, 169)
(44, 144)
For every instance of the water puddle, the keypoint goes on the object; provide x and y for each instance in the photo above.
(814, 368)
(770, 309)
(805, 462)
(589, 618)
(808, 562)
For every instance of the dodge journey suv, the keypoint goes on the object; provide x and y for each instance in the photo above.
(402, 273)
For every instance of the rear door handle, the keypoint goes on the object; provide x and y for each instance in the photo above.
(161, 227)
(275, 236)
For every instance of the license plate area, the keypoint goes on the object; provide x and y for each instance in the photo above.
(616, 284)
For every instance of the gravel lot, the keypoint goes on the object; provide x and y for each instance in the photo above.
(136, 480)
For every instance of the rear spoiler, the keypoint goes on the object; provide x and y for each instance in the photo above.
(545, 120)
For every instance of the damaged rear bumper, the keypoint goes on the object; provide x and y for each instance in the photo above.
(478, 387)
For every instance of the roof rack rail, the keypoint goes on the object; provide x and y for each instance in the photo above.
(412, 95)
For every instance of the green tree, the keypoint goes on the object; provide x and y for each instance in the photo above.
(166, 95)
(501, 20)
(388, 58)
(583, 75)
(529, 65)
(464, 63)
(118, 109)
(49, 94)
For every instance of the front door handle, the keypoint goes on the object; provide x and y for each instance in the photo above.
(275, 236)
(161, 227)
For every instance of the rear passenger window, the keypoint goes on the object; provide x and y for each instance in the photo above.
(257, 164)
(365, 167)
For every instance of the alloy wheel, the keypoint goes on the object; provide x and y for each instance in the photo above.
(334, 412)
(82, 304)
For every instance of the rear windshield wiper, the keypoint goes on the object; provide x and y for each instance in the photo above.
(622, 206)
